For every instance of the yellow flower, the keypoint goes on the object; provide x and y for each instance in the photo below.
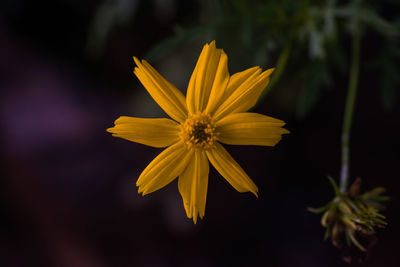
(213, 112)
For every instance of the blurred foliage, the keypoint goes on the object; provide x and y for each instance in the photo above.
(313, 35)
(388, 64)
(109, 14)
(351, 215)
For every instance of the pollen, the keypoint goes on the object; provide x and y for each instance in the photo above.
(198, 132)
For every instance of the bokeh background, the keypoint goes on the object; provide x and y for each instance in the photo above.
(67, 188)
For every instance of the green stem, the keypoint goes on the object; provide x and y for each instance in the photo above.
(281, 64)
(280, 67)
(349, 109)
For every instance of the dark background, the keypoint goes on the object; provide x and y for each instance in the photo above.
(67, 188)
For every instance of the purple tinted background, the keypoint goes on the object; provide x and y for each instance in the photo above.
(68, 195)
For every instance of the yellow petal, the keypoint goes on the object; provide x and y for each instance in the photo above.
(168, 97)
(220, 84)
(239, 78)
(250, 129)
(230, 169)
(151, 132)
(243, 91)
(209, 79)
(164, 168)
(193, 185)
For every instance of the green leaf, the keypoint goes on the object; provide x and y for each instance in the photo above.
(316, 76)
(344, 208)
(172, 42)
(376, 192)
(371, 18)
(354, 240)
(327, 233)
(390, 79)
(334, 185)
(320, 209)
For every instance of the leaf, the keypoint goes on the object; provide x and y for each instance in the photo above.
(334, 185)
(390, 80)
(316, 76)
(327, 233)
(344, 208)
(376, 192)
(348, 222)
(371, 18)
(325, 217)
(355, 187)
(172, 42)
(320, 209)
(350, 234)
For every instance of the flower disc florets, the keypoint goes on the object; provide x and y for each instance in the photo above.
(198, 132)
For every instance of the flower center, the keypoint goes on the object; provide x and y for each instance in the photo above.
(198, 132)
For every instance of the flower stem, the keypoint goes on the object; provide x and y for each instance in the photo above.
(281, 64)
(280, 67)
(349, 109)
